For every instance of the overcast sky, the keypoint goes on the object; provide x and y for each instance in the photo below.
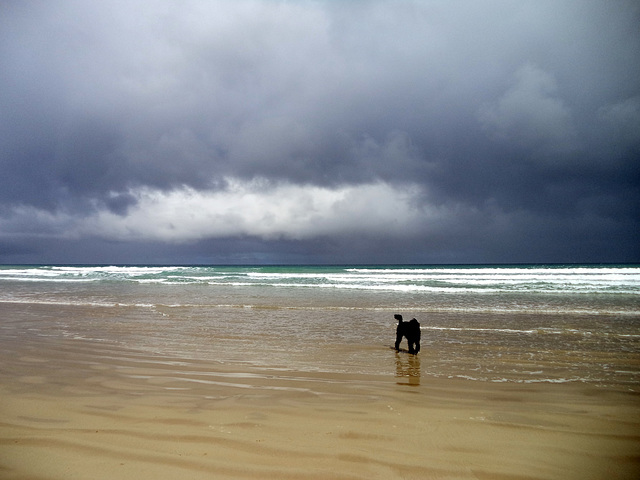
(327, 131)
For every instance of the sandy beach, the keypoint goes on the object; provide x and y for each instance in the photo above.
(237, 373)
(81, 409)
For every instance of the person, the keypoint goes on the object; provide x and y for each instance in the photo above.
(409, 330)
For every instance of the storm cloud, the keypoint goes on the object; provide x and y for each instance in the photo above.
(319, 131)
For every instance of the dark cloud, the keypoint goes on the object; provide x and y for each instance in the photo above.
(510, 129)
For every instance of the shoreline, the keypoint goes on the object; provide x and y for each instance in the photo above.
(80, 409)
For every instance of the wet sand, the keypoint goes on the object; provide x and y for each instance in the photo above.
(76, 408)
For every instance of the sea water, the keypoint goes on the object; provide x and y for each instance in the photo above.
(524, 323)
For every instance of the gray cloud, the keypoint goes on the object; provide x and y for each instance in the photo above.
(511, 129)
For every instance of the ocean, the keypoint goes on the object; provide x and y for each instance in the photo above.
(495, 323)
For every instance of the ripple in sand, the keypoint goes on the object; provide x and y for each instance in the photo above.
(33, 379)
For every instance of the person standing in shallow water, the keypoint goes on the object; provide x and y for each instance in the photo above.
(409, 330)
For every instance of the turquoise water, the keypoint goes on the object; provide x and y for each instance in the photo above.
(623, 279)
(533, 323)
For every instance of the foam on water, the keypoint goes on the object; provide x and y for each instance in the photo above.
(518, 324)
(578, 279)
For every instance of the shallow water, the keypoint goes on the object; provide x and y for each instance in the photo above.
(510, 324)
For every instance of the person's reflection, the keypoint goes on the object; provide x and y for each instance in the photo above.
(408, 367)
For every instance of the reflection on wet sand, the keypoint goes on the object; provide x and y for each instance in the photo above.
(407, 369)
(80, 408)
